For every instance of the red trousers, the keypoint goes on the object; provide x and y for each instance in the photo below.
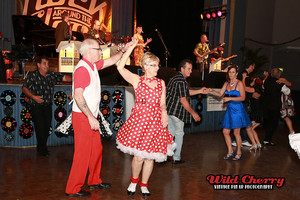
(87, 154)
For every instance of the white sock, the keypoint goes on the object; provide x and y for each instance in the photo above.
(145, 190)
(131, 187)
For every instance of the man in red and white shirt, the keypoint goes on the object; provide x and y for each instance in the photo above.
(87, 140)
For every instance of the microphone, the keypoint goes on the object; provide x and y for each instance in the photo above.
(207, 41)
(156, 30)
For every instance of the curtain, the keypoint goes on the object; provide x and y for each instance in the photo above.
(7, 9)
(122, 17)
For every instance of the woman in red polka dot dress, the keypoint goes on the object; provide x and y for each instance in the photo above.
(144, 134)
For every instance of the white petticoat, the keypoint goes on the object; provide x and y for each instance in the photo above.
(294, 140)
(157, 157)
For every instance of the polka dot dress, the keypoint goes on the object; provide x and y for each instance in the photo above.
(143, 134)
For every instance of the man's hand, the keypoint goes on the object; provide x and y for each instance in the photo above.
(204, 90)
(38, 99)
(94, 123)
(196, 117)
(256, 95)
(244, 75)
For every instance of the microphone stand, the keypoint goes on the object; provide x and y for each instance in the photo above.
(167, 53)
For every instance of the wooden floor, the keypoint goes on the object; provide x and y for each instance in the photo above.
(28, 176)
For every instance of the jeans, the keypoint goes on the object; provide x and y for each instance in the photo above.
(175, 127)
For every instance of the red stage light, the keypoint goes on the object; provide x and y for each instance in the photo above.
(207, 15)
(213, 14)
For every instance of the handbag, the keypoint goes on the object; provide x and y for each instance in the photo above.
(288, 109)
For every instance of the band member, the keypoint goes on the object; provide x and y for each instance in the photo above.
(63, 30)
(218, 54)
(139, 49)
(96, 33)
(201, 51)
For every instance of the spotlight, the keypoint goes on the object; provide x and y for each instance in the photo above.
(201, 16)
(222, 13)
(213, 15)
(208, 16)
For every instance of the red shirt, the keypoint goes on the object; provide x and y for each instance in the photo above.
(81, 75)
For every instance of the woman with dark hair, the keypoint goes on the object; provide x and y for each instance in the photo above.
(139, 49)
(235, 117)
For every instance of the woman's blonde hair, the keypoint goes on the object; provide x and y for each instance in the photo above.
(147, 58)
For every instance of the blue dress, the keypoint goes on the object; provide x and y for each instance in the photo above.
(235, 116)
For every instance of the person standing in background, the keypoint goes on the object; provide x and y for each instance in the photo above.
(272, 103)
(201, 52)
(38, 87)
(96, 33)
(63, 30)
(139, 49)
(287, 101)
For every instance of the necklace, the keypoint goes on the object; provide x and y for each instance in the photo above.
(232, 84)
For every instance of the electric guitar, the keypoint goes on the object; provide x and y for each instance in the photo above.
(228, 58)
(205, 55)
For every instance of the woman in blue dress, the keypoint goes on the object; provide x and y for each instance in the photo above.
(235, 117)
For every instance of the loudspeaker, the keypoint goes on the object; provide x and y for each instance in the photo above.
(215, 80)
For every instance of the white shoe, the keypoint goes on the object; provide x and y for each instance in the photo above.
(246, 143)
(131, 189)
(233, 143)
(145, 191)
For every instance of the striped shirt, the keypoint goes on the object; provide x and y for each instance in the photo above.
(177, 88)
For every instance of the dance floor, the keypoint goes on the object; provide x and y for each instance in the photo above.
(28, 176)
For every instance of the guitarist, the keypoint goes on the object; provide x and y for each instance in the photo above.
(202, 52)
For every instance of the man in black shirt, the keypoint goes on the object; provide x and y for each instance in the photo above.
(272, 103)
(63, 31)
(179, 105)
(39, 87)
